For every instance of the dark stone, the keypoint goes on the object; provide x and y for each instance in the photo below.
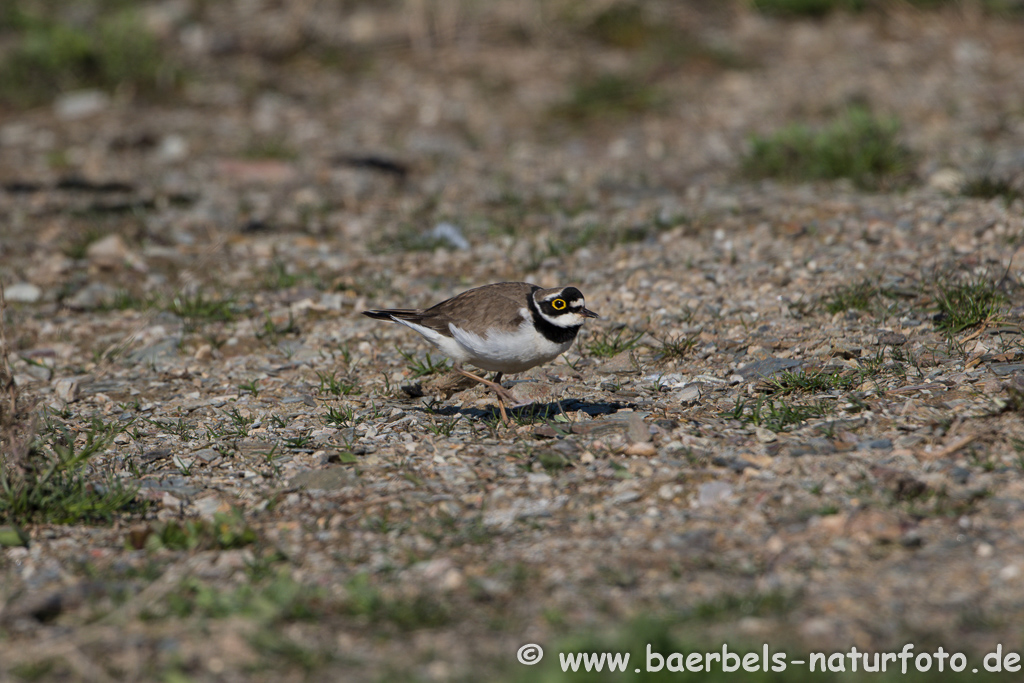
(326, 479)
(1003, 369)
(818, 446)
(892, 338)
(735, 464)
(960, 475)
(767, 367)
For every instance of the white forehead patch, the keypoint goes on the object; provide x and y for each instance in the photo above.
(576, 303)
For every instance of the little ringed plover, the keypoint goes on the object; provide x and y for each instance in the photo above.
(506, 327)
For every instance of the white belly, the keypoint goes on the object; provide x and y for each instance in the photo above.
(505, 352)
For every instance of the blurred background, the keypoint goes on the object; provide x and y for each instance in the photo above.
(376, 122)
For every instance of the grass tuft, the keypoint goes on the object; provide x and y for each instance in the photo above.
(225, 532)
(330, 384)
(967, 304)
(857, 297)
(622, 25)
(775, 414)
(406, 612)
(857, 145)
(425, 366)
(989, 187)
(52, 486)
(676, 347)
(609, 96)
(810, 382)
(806, 8)
(50, 56)
(197, 309)
(608, 344)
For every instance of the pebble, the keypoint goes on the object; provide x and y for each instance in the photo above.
(79, 104)
(642, 449)
(688, 395)
(447, 232)
(948, 180)
(713, 492)
(23, 293)
(172, 148)
(92, 296)
(638, 431)
(66, 389)
(111, 253)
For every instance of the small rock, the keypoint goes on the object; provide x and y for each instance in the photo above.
(765, 435)
(260, 171)
(766, 367)
(735, 464)
(204, 353)
(624, 497)
(817, 628)
(912, 539)
(208, 507)
(948, 180)
(447, 232)
(172, 148)
(903, 485)
(108, 252)
(441, 573)
(92, 296)
(66, 389)
(80, 103)
(532, 392)
(23, 293)
(622, 364)
(813, 446)
(326, 479)
(170, 502)
(892, 338)
(875, 526)
(960, 475)
(644, 449)
(688, 395)
(163, 350)
(1003, 369)
(206, 455)
(637, 429)
(239, 558)
(712, 492)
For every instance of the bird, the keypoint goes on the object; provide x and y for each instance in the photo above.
(504, 327)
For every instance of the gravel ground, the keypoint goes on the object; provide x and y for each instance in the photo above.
(186, 275)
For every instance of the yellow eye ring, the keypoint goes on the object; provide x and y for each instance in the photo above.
(558, 304)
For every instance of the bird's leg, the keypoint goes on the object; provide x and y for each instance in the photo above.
(500, 391)
(501, 404)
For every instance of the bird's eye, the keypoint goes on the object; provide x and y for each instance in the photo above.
(558, 304)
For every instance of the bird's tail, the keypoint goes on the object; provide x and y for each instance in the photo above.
(392, 313)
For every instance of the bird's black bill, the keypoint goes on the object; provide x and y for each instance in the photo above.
(587, 313)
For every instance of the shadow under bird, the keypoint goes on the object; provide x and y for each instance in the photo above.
(506, 327)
